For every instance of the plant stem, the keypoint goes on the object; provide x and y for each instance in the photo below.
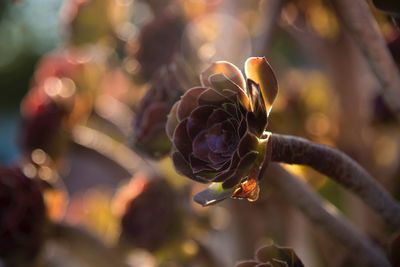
(339, 167)
(116, 112)
(108, 147)
(359, 20)
(325, 216)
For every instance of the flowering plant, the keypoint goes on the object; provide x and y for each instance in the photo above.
(218, 129)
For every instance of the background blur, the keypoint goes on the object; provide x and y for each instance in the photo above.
(104, 55)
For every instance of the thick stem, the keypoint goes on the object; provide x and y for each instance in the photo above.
(325, 216)
(339, 167)
(359, 20)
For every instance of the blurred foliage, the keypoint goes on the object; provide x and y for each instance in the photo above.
(27, 30)
(80, 80)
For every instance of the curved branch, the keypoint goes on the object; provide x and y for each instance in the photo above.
(339, 167)
(108, 147)
(116, 112)
(359, 20)
(325, 216)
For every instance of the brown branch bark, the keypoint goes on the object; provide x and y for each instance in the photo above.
(325, 217)
(339, 167)
(358, 19)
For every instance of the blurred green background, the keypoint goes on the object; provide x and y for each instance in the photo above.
(27, 31)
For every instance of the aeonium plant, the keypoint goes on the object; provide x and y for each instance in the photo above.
(218, 132)
(218, 129)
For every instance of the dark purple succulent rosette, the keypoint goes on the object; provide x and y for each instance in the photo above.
(149, 137)
(158, 46)
(43, 128)
(152, 216)
(218, 128)
(43, 118)
(22, 217)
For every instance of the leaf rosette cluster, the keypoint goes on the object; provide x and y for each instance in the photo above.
(149, 137)
(22, 217)
(218, 129)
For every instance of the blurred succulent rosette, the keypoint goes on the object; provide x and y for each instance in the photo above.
(60, 97)
(158, 42)
(43, 115)
(149, 136)
(273, 256)
(22, 218)
(149, 212)
(47, 105)
(82, 27)
(85, 67)
(218, 128)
